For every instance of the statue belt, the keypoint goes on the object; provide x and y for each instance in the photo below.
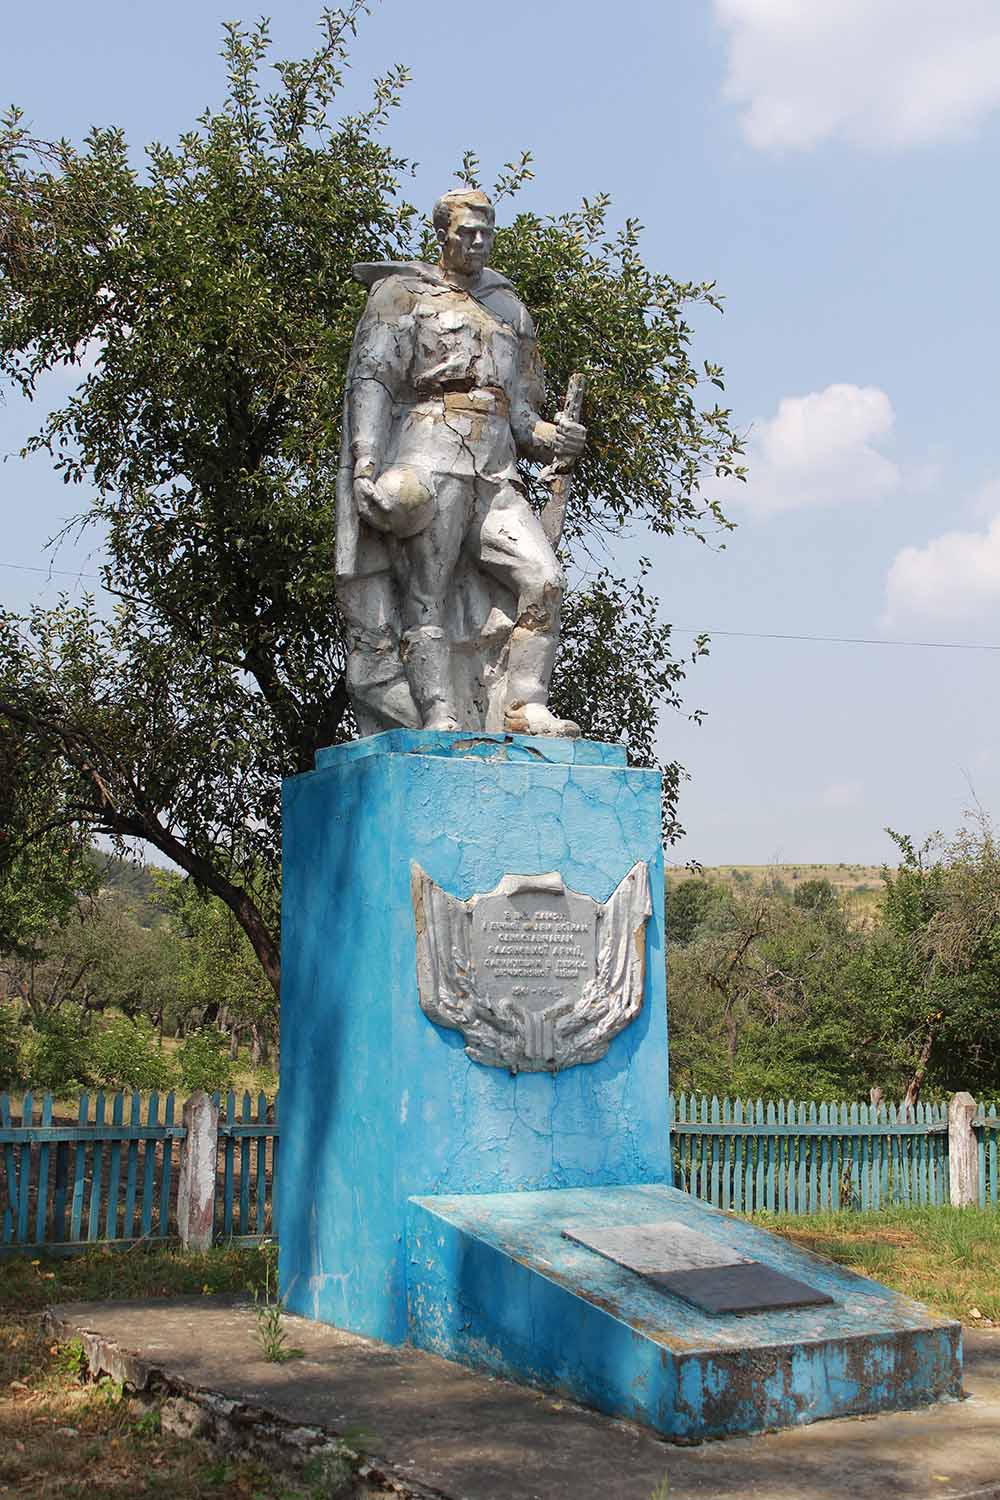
(486, 400)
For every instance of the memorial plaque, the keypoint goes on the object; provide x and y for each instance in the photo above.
(537, 977)
(537, 947)
(751, 1287)
(664, 1245)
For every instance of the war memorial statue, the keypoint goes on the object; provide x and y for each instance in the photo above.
(477, 1148)
(448, 584)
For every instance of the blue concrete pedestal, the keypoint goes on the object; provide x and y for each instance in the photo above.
(378, 1104)
(423, 1196)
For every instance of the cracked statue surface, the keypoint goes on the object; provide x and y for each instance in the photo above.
(449, 586)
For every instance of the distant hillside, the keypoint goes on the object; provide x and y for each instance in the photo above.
(861, 881)
(134, 883)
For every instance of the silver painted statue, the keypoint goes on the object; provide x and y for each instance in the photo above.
(449, 586)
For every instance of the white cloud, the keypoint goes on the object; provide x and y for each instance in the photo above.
(953, 580)
(877, 73)
(841, 794)
(819, 450)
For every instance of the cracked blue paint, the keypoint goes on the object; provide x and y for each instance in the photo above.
(358, 1053)
(492, 1282)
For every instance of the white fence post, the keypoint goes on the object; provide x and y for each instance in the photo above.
(196, 1182)
(963, 1151)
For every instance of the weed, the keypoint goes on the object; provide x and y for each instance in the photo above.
(332, 1473)
(662, 1490)
(148, 1425)
(72, 1359)
(270, 1315)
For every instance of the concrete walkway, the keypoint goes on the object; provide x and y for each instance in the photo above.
(437, 1431)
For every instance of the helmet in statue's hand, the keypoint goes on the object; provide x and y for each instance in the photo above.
(400, 501)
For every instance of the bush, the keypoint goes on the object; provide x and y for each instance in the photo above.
(127, 1055)
(56, 1054)
(11, 1066)
(204, 1061)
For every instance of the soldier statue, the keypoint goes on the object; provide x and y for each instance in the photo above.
(449, 586)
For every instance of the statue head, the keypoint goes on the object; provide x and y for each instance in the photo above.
(465, 226)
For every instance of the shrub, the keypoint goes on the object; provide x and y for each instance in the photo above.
(56, 1053)
(127, 1055)
(204, 1061)
(11, 1065)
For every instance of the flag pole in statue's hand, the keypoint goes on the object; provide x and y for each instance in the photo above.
(559, 475)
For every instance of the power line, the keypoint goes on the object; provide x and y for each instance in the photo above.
(747, 635)
(63, 572)
(836, 640)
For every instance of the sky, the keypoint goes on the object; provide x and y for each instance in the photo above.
(833, 168)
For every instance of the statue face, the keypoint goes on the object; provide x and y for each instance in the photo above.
(466, 245)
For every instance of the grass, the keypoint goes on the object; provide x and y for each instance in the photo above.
(948, 1258)
(62, 1436)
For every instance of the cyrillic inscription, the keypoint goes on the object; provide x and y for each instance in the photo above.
(537, 947)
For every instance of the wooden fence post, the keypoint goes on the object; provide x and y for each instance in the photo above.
(196, 1183)
(963, 1152)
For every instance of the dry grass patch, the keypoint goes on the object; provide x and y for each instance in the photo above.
(63, 1437)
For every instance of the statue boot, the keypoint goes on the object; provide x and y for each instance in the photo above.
(530, 660)
(426, 657)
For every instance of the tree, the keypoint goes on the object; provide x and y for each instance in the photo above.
(99, 957)
(210, 305)
(763, 997)
(44, 872)
(933, 965)
(220, 982)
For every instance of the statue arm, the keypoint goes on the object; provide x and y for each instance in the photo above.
(534, 436)
(378, 371)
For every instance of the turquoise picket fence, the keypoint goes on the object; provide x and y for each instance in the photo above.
(987, 1126)
(108, 1174)
(787, 1157)
(248, 1164)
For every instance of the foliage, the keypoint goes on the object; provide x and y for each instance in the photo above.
(101, 956)
(688, 904)
(611, 634)
(761, 995)
(778, 992)
(933, 965)
(56, 1052)
(44, 870)
(126, 1054)
(203, 1061)
(208, 305)
(218, 973)
(11, 1066)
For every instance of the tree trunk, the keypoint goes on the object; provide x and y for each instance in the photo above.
(916, 1082)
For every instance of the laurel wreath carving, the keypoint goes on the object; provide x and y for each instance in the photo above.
(497, 1031)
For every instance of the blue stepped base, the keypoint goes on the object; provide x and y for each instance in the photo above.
(493, 1283)
(378, 1103)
